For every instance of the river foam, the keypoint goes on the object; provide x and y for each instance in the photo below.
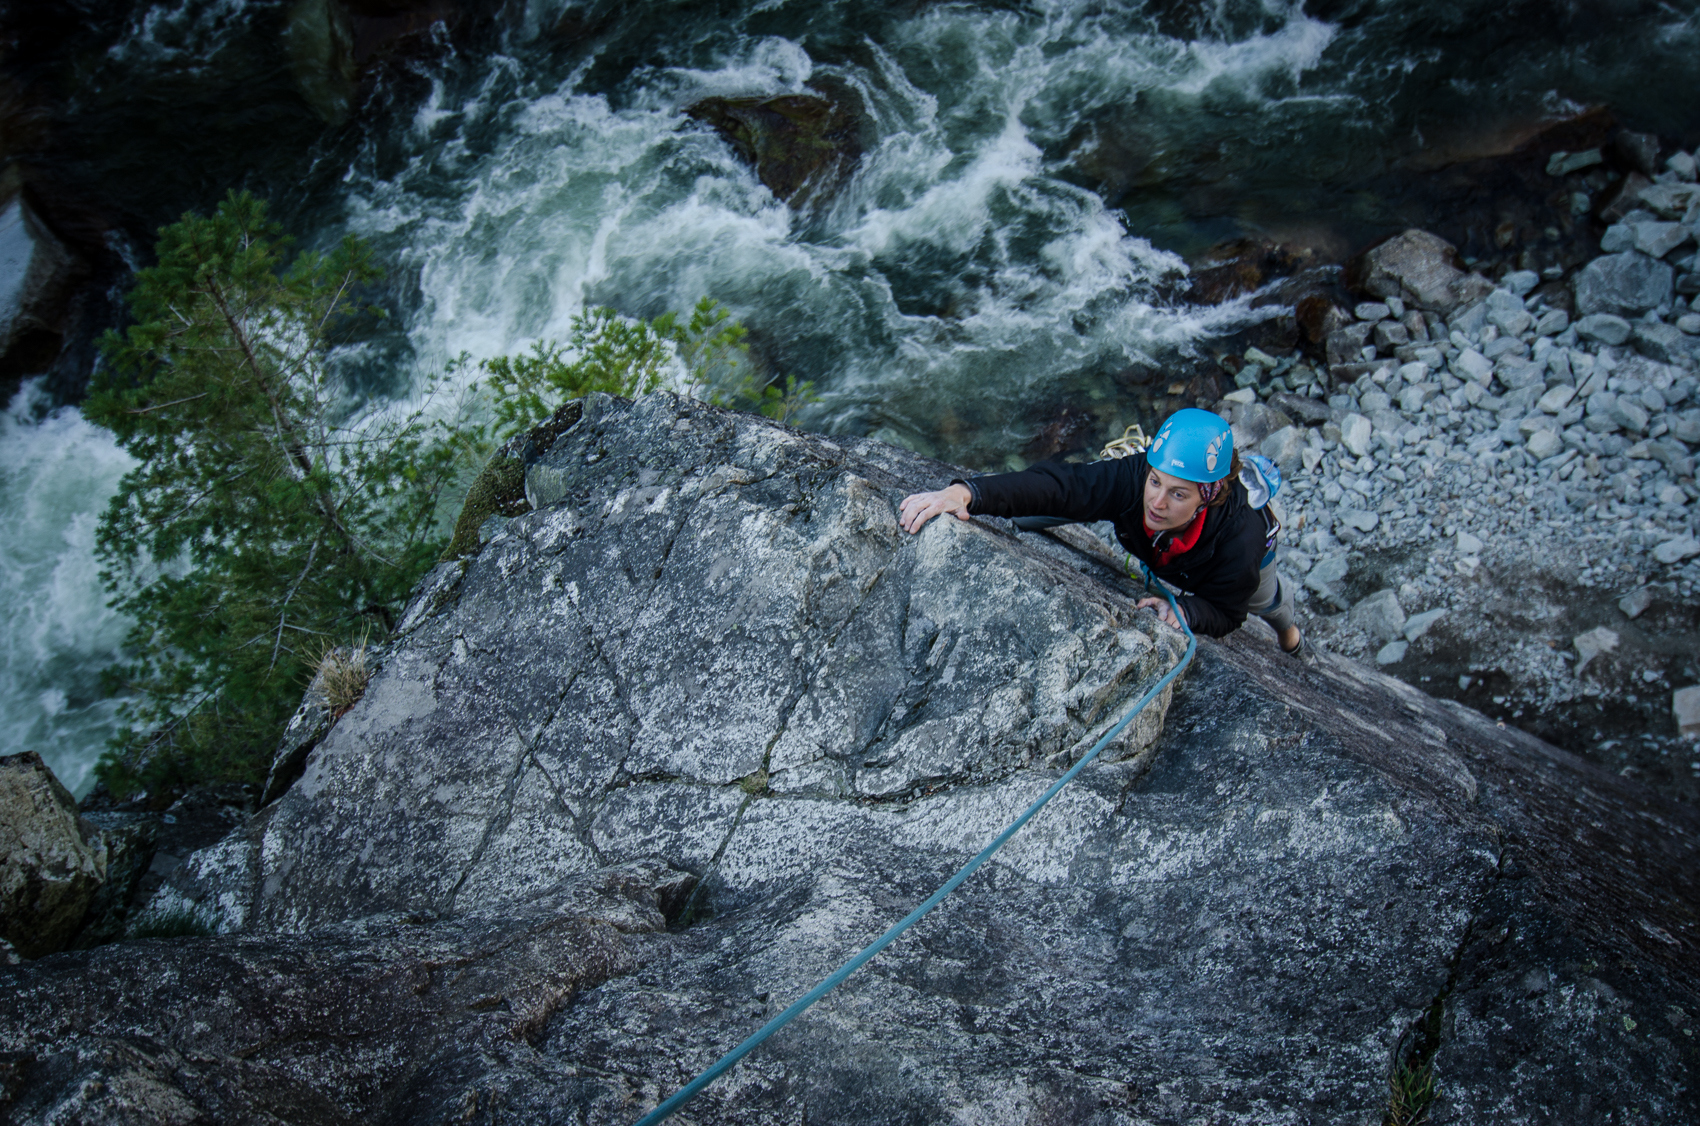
(57, 472)
(955, 280)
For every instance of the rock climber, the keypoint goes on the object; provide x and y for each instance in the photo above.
(1182, 507)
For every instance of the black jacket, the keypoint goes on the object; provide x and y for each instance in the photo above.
(1218, 575)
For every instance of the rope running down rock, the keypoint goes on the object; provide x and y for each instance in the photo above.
(721, 1066)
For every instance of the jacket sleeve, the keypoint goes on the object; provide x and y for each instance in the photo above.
(1102, 490)
(1219, 600)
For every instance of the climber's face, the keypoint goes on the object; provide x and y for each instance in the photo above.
(1169, 501)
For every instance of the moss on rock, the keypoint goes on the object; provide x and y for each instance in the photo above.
(499, 489)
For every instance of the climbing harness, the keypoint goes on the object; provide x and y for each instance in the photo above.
(721, 1066)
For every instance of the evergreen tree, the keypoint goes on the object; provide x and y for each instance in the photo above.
(264, 522)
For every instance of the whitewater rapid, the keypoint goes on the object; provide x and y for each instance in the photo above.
(56, 474)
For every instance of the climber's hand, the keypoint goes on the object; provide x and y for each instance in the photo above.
(918, 508)
(1160, 607)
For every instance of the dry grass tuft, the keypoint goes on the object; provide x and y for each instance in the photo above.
(341, 678)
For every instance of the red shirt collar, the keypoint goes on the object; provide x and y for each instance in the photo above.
(1180, 541)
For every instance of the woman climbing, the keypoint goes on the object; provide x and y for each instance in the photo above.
(1181, 507)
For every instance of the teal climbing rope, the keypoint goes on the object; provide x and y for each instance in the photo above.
(725, 1062)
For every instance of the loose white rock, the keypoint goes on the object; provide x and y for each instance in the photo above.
(1468, 544)
(1418, 624)
(1473, 365)
(1355, 434)
(1675, 551)
(1521, 282)
(1591, 644)
(1544, 444)
(1329, 570)
(1607, 328)
(1380, 616)
(1635, 603)
(1656, 240)
(1358, 518)
(1556, 399)
(1685, 706)
(1391, 653)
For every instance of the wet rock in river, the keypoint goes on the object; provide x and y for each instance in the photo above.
(1240, 266)
(37, 278)
(793, 141)
(320, 45)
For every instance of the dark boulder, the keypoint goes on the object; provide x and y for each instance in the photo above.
(1071, 430)
(1626, 284)
(1639, 151)
(51, 862)
(1420, 269)
(38, 278)
(1240, 266)
(1624, 198)
(802, 146)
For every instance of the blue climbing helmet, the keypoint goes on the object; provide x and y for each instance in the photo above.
(1193, 445)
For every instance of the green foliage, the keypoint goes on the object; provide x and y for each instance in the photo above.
(632, 357)
(261, 523)
(1410, 1091)
(781, 404)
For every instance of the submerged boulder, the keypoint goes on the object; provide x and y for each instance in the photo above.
(664, 751)
(801, 145)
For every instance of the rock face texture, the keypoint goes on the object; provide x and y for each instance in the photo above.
(672, 746)
(377, 1017)
(703, 609)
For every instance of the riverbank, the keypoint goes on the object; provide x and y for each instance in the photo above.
(1494, 497)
